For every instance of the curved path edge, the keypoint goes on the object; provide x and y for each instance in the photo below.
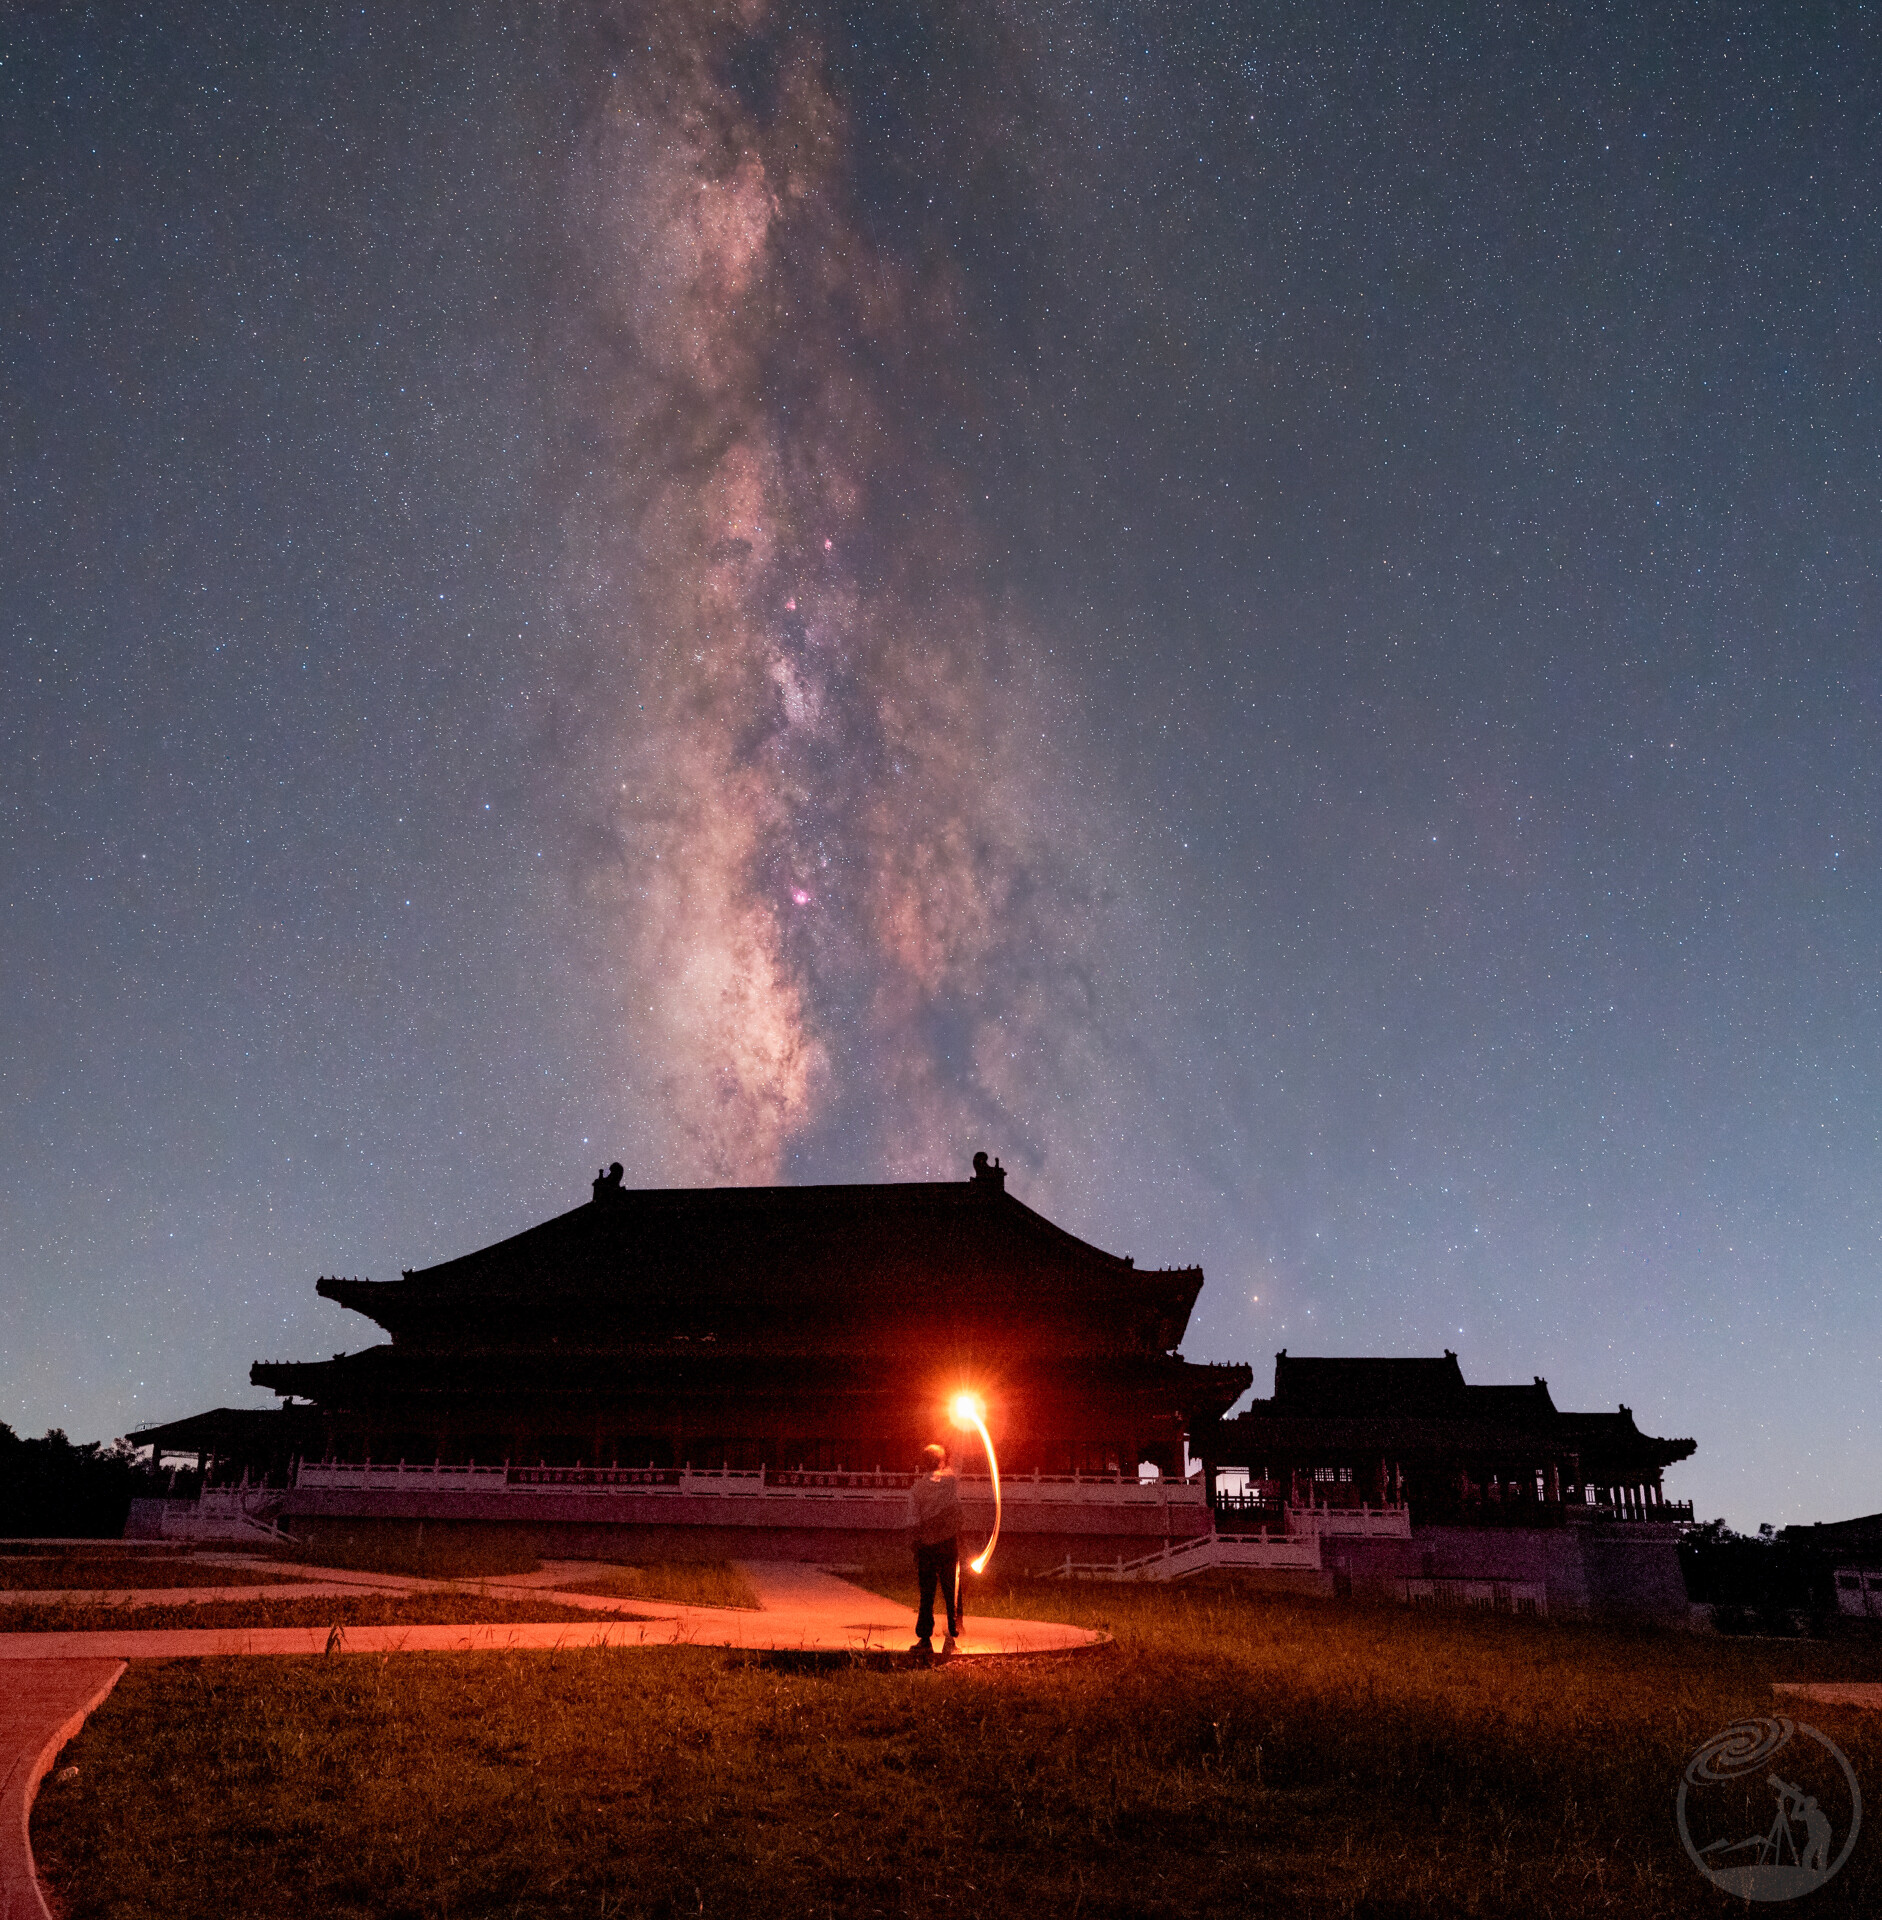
(45, 1703)
(1835, 1693)
(752, 1633)
(802, 1609)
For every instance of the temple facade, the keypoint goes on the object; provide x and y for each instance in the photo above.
(791, 1329)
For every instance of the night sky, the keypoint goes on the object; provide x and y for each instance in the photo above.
(1275, 617)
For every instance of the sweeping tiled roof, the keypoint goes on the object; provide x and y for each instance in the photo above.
(825, 1262)
(1341, 1404)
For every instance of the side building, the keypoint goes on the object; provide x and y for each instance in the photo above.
(1418, 1486)
(1413, 1432)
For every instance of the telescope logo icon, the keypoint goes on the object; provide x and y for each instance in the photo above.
(1763, 1806)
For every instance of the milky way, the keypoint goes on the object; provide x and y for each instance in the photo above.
(846, 865)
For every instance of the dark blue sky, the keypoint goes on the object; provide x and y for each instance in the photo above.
(1274, 619)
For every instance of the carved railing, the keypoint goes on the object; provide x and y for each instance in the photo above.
(1662, 1512)
(391, 1476)
(1362, 1522)
(1487, 1596)
(770, 1483)
(1207, 1552)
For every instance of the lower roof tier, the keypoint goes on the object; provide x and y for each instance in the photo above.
(1259, 1437)
(389, 1376)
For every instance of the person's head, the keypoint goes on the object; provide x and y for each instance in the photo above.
(933, 1457)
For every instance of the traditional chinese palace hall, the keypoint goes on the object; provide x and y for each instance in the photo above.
(753, 1371)
(793, 1328)
(1348, 1432)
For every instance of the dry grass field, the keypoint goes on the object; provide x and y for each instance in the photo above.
(99, 1570)
(463, 1606)
(1229, 1755)
(429, 1549)
(682, 1583)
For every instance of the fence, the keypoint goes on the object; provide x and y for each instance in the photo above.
(771, 1483)
(1206, 1552)
(1486, 1596)
(1363, 1523)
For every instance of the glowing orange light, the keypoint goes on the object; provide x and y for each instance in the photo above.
(969, 1410)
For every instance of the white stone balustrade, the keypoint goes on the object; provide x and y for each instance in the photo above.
(786, 1486)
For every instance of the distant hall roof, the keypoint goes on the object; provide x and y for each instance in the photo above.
(1339, 1403)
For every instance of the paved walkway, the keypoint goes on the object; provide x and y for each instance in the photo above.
(801, 1609)
(302, 1581)
(43, 1703)
(294, 1581)
(1834, 1693)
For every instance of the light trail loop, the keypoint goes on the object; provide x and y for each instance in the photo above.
(970, 1411)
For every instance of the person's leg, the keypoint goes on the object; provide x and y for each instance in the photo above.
(927, 1572)
(950, 1571)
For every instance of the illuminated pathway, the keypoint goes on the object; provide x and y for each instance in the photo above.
(801, 1609)
(43, 1703)
(1835, 1693)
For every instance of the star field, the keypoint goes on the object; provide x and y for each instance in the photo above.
(1274, 619)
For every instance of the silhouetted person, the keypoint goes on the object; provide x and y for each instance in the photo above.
(1816, 1836)
(934, 1522)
